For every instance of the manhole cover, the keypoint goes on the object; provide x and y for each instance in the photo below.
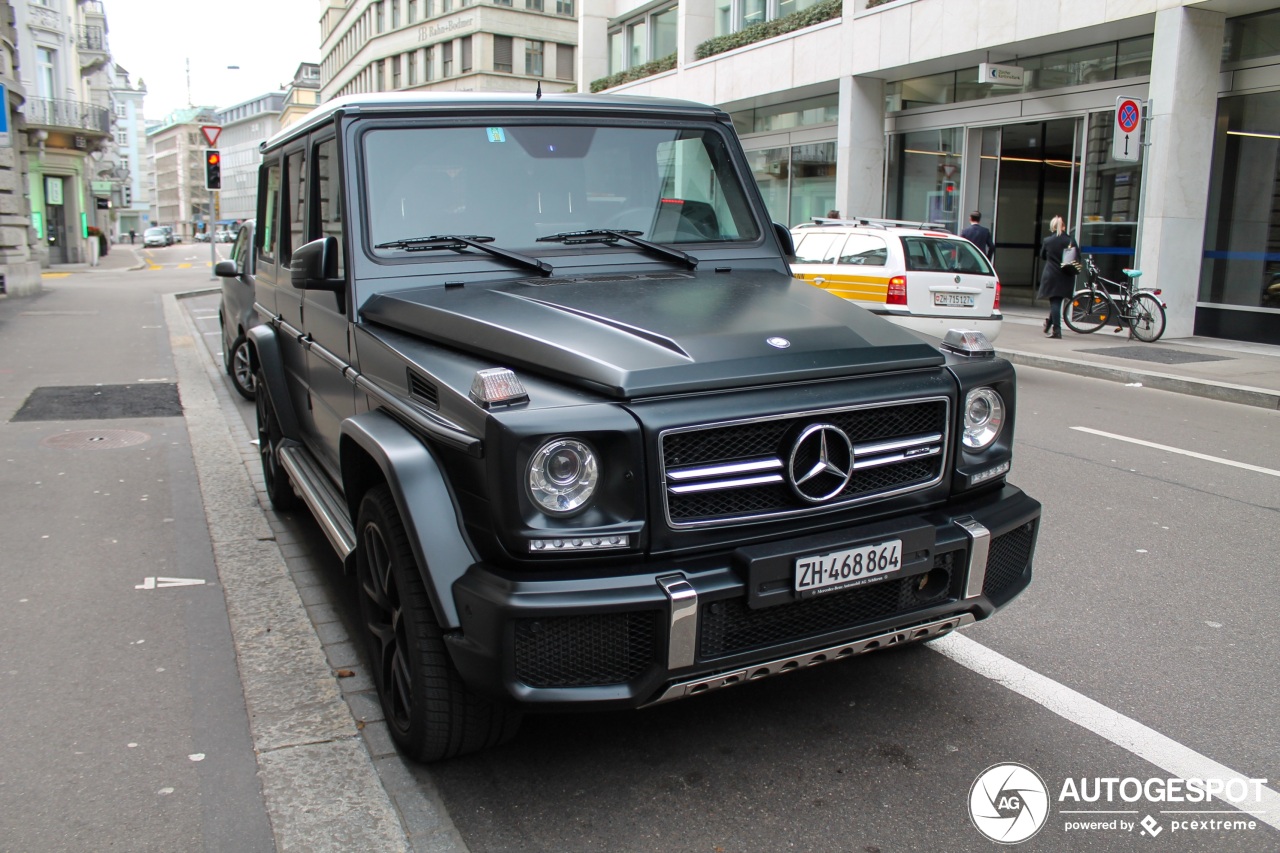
(1157, 354)
(101, 402)
(107, 439)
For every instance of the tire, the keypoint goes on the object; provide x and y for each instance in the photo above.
(1086, 311)
(240, 367)
(279, 490)
(430, 713)
(1148, 317)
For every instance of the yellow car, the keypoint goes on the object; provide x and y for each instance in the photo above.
(917, 275)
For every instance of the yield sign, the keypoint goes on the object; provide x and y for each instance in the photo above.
(211, 133)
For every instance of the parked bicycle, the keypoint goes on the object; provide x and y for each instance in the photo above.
(1123, 304)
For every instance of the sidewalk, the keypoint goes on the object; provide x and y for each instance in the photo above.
(1232, 371)
(121, 256)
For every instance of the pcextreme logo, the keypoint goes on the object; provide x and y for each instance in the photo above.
(1008, 803)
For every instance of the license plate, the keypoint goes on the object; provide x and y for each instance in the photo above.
(958, 300)
(819, 573)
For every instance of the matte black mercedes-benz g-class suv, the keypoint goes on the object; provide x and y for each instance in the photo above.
(540, 370)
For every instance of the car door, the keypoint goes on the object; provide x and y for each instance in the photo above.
(332, 395)
(850, 265)
(291, 235)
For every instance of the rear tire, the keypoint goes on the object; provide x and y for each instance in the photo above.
(279, 490)
(430, 712)
(1148, 317)
(1086, 311)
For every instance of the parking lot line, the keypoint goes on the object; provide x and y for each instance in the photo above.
(1146, 743)
(1245, 465)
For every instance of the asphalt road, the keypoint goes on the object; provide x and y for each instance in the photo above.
(1142, 650)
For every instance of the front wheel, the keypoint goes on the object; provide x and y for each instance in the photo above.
(1148, 317)
(430, 712)
(240, 366)
(1086, 311)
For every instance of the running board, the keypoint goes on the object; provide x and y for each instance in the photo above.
(706, 684)
(326, 503)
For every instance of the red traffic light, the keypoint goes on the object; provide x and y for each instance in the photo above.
(214, 159)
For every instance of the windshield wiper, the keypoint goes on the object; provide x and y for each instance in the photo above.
(458, 242)
(608, 235)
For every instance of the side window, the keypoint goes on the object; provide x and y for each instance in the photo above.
(866, 250)
(268, 211)
(695, 204)
(240, 254)
(295, 205)
(329, 197)
(819, 248)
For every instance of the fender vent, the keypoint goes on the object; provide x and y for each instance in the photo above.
(424, 391)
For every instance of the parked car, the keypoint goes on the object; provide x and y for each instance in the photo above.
(224, 235)
(236, 313)
(202, 237)
(914, 274)
(173, 236)
(156, 237)
(541, 372)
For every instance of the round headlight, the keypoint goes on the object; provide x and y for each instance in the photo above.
(563, 475)
(983, 418)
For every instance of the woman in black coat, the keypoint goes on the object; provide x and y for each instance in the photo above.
(1056, 285)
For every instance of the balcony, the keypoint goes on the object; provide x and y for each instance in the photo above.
(55, 114)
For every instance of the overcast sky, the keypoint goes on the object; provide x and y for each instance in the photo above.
(153, 40)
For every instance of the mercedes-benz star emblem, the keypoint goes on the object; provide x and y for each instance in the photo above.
(780, 343)
(821, 463)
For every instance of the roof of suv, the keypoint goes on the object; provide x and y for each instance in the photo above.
(392, 103)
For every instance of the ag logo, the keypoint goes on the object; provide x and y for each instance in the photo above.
(1008, 803)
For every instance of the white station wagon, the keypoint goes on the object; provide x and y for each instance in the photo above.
(915, 274)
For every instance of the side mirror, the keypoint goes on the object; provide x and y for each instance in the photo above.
(315, 266)
(784, 240)
(226, 269)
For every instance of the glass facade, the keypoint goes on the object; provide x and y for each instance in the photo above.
(1240, 271)
(1252, 37)
(924, 176)
(797, 182)
(1110, 211)
(1116, 60)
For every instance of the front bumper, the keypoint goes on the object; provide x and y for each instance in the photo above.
(656, 633)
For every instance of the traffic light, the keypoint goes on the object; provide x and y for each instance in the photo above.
(212, 169)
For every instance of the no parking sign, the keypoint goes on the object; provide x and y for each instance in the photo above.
(1126, 135)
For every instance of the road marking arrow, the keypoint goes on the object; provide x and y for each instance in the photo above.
(163, 583)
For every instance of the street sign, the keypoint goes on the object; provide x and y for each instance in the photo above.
(211, 133)
(1126, 133)
(1001, 75)
(5, 142)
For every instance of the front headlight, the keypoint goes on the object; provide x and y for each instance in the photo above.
(563, 474)
(983, 418)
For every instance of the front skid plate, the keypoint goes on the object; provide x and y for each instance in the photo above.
(755, 672)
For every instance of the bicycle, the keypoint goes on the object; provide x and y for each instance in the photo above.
(1123, 303)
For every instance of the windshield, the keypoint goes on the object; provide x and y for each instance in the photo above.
(154, 232)
(517, 183)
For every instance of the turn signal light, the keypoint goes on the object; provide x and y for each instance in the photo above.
(897, 291)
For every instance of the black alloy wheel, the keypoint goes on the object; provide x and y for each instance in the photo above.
(276, 479)
(430, 712)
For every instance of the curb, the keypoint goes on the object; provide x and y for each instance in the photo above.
(1242, 394)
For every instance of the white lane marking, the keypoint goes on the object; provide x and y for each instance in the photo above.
(1144, 742)
(1245, 465)
(165, 583)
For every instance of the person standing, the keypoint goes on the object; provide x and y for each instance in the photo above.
(979, 235)
(1056, 284)
(132, 234)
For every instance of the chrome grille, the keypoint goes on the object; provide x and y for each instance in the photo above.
(737, 471)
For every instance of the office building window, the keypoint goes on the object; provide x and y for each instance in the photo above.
(395, 14)
(446, 59)
(428, 64)
(564, 62)
(395, 72)
(411, 68)
(379, 11)
(533, 5)
(733, 15)
(412, 12)
(502, 52)
(533, 58)
(643, 39)
(564, 7)
(464, 44)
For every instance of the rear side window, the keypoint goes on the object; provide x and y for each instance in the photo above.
(819, 248)
(865, 250)
(269, 212)
(934, 254)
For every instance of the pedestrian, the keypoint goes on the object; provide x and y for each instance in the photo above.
(131, 236)
(1057, 282)
(979, 235)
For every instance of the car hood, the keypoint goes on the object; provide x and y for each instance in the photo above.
(631, 336)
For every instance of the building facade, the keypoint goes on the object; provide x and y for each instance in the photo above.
(60, 44)
(245, 127)
(132, 196)
(19, 266)
(175, 149)
(447, 45)
(303, 94)
(928, 109)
